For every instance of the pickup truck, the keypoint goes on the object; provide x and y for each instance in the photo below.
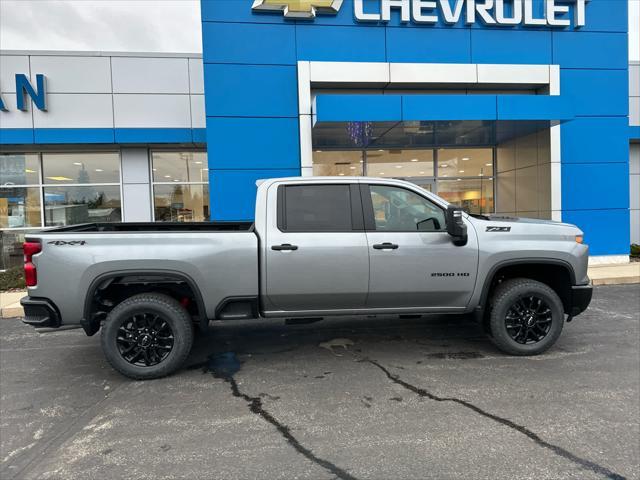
(319, 246)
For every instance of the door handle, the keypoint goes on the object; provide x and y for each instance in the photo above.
(385, 246)
(284, 246)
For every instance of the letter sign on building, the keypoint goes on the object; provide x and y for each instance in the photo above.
(505, 13)
(24, 88)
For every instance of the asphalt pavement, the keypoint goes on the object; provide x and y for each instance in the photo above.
(375, 398)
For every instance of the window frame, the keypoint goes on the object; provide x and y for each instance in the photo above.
(369, 214)
(355, 206)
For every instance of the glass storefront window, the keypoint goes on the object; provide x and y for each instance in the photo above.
(399, 163)
(465, 162)
(475, 195)
(100, 167)
(19, 207)
(73, 205)
(180, 167)
(337, 163)
(181, 202)
(20, 169)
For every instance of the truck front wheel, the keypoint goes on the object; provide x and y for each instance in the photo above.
(147, 336)
(526, 317)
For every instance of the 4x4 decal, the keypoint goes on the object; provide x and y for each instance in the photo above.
(498, 229)
(62, 242)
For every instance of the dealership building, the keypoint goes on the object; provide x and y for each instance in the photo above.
(516, 107)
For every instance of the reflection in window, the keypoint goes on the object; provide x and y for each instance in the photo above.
(19, 207)
(19, 169)
(181, 203)
(60, 168)
(475, 195)
(73, 205)
(11, 254)
(399, 210)
(337, 163)
(180, 167)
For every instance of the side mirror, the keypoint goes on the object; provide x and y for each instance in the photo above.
(455, 226)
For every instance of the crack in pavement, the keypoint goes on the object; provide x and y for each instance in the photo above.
(256, 407)
(581, 462)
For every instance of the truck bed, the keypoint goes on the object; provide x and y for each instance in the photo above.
(154, 227)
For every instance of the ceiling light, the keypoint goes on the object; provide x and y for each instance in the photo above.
(460, 171)
(341, 174)
(459, 179)
(445, 175)
(176, 180)
(198, 163)
(154, 169)
(352, 168)
(78, 164)
(481, 174)
(421, 173)
(167, 176)
(318, 151)
(398, 166)
(381, 150)
(381, 173)
(464, 159)
(488, 164)
(28, 170)
(444, 165)
(361, 161)
(99, 170)
(59, 179)
(415, 160)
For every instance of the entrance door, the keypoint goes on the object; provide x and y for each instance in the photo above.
(317, 258)
(413, 262)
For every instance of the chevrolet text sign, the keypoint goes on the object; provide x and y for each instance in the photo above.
(490, 12)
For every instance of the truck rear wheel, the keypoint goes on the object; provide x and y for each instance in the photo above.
(526, 317)
(147, 336)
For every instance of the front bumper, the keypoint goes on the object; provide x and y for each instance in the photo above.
(40, 312)
(580, 299)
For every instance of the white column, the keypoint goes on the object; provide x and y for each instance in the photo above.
(136, 185)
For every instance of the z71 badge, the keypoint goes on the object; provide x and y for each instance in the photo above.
(498, 229)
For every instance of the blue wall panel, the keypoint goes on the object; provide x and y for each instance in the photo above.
(260, 44)
(253, 143)
(606, 231)
(597, 92)
(595, 139)
(605, 16)
(580, 49)
(251, 90)
(511, 46)
(429, 45)
(233, 192)
(347, 44)
(236, 11)
(77, 135)
(359, 108)
(449, 107)
(534, 107)
(16, 136)
(593, 186)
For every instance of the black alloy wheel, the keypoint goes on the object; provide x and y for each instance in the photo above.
(525, 316)
(145, 339)
(529, 320)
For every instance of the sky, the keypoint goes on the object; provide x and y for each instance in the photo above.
(135, 25)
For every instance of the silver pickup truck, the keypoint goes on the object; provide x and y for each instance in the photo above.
(318, 247)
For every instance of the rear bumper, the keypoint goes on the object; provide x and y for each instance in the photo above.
(40, 312)
(580, 299)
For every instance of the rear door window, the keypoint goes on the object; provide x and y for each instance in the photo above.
(315, 208)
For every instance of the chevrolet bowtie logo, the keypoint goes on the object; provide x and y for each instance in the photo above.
(299, 8)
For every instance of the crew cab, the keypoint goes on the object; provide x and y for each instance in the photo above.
(320, 246)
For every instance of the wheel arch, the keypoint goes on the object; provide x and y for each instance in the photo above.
(91, 323)
(557, 274)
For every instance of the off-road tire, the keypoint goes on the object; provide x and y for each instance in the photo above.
(151, 303)
(504, 297)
